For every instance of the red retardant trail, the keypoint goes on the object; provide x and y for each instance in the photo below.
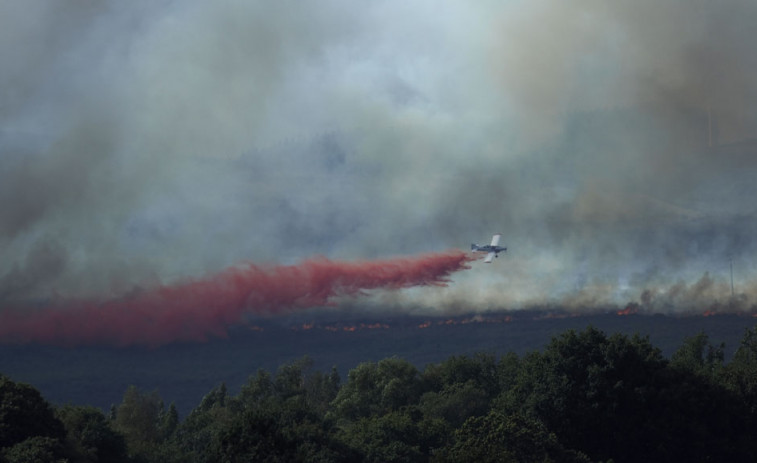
(194, 309)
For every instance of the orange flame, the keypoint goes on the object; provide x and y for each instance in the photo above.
(629, 310)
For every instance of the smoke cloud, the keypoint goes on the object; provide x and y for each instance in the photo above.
(195, 309)
(147, 143)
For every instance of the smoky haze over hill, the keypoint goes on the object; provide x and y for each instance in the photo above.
(184, 372)
(145, 143)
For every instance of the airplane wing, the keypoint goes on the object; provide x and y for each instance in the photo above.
(489, 256)
(495, 239)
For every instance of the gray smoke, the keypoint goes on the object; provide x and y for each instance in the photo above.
(613, 144)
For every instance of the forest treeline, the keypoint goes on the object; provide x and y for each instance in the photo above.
(586, 397)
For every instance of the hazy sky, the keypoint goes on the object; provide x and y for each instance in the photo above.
(144, 142)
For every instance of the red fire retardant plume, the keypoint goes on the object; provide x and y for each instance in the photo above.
(194, 309)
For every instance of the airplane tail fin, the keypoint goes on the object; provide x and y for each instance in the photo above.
(473, 246)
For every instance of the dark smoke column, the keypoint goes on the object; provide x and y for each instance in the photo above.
(195, 309)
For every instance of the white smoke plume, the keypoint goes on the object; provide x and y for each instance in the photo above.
(612, 143)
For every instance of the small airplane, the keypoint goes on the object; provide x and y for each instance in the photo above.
(493, 249)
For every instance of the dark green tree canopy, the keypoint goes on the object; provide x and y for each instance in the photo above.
(24, 414)
(585, 397)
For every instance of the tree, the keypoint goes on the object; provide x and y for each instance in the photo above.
(699, 356)
(37, 449)
(508, 368)
(89, 435)
(378, 389)
(321, 390)
(254, 436)
(216, 398)
(740, 375)
(509, 439)
(169, 422)
(394, 436)
(277, 430)
(138, 419)
(694, 418)
(456, 403)
(272, 418)
(461, 387)
(290, 378)
(24, 414)
(591, 391)
(258, 389)
(195, 436)
(616, 397)
(481, 369)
